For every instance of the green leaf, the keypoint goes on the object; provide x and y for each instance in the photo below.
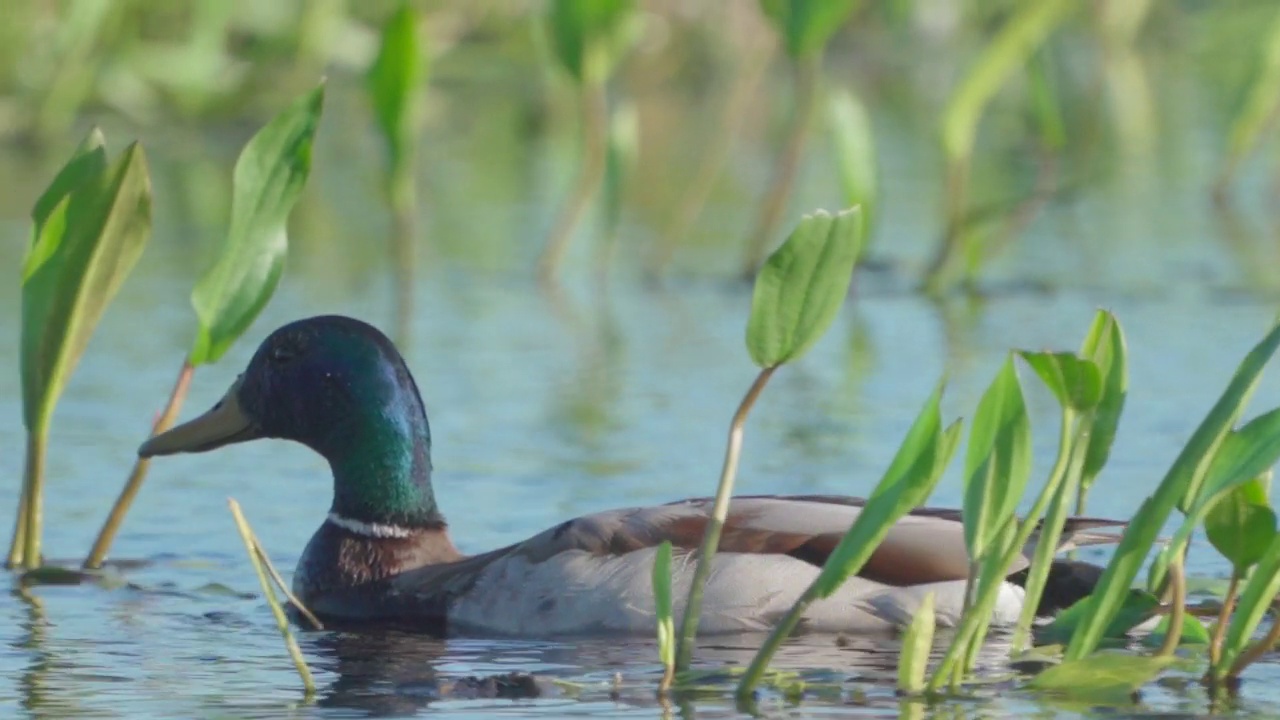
(910, 478)
(1178, 483)
(1009, 50)
(806, 26)
(1105, 346)
(1193, 632)
(269, 176)
(1137, 607)
(1255, 599)
(396, 86)
(662, 604)
(622, 152)
(1241, 525)
(917, 642)
(997, 461)
(89, 228)
(855, 153)
(586, 35)
(1076, 382)
(1101, 677)
(802, 285)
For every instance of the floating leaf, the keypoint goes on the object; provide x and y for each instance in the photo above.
(807, 25)
(1241, 525)
(1193, 632)
(997, 461)
(269, 176)
(917, 641)
(802, 285)
(396, 83)
(1076, 382)
(1101, 677)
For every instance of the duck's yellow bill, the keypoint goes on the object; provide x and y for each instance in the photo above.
(222, 425)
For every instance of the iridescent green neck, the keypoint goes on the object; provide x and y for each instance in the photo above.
(381, 461)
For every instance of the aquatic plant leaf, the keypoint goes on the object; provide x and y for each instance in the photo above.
(802, 285)
(621, 154)
(585, 33)
(807, 25)
(1177, 484)
(1110, 677)
(1105, 346)
(1259, 104)
(269, 176)
(1008, 50)
(1193, 632)
(917, 642)
(909, 480)
(997, 460)
(89, 229)
(1241, 456)
(855, 153)
(1241, 524)
(1076, 382)
(662, 605)
(1137, 607)
(396, 85)
(1255, 599)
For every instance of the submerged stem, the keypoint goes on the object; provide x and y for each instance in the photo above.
(246, 534)
(711, 538)
(595, 140)
(98, 553)
(1174, 636)
(808, 70)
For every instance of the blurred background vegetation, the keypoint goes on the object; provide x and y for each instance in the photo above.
(1096, 161)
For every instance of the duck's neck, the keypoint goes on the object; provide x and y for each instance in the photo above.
(382, 475)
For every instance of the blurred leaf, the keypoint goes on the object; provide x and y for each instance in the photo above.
(269, 176)
(620, 160)
(1261, 99)
(855, 153)
(1077, 383)
(1193, 632)
(586, 34)
(1101, 677)
(1144, 527)
(1240, 525)
(807, 25)
(911, 476)
(396, 84)
(1105, 346)
(1008, 50)
(1136, 607)
(662, 605)
(917, 642)
(89, 228)
(997, 461)
(802, 285)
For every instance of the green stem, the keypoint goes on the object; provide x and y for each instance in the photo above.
(595, 141)
(33, 495)
(1257, 650)
(760, 663)
(1174, 636)
(1220, 630)
(246, 534)
(403, 237)
(20, 523)
(1051, 529)
(711, 538)
(98, 553)
(808, 70)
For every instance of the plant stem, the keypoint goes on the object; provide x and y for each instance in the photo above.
(1228, 603)
(781, 631)
(246, 534)
(1257, 650)
(36, 444)
(595, 140)
(808, 70)
(284, 587)
(954, 230)
(403, 237)
(19, 526)
(1174, 636)
(98, 553)
(720, 510)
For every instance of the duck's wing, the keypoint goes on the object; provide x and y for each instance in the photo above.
(924, 546)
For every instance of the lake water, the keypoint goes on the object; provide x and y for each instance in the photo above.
(543, 408)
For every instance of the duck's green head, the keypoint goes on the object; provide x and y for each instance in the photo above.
(340, 387)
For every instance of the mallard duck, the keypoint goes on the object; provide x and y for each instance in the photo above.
(383, 554)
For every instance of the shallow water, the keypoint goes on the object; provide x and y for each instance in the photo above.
(543, 408)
